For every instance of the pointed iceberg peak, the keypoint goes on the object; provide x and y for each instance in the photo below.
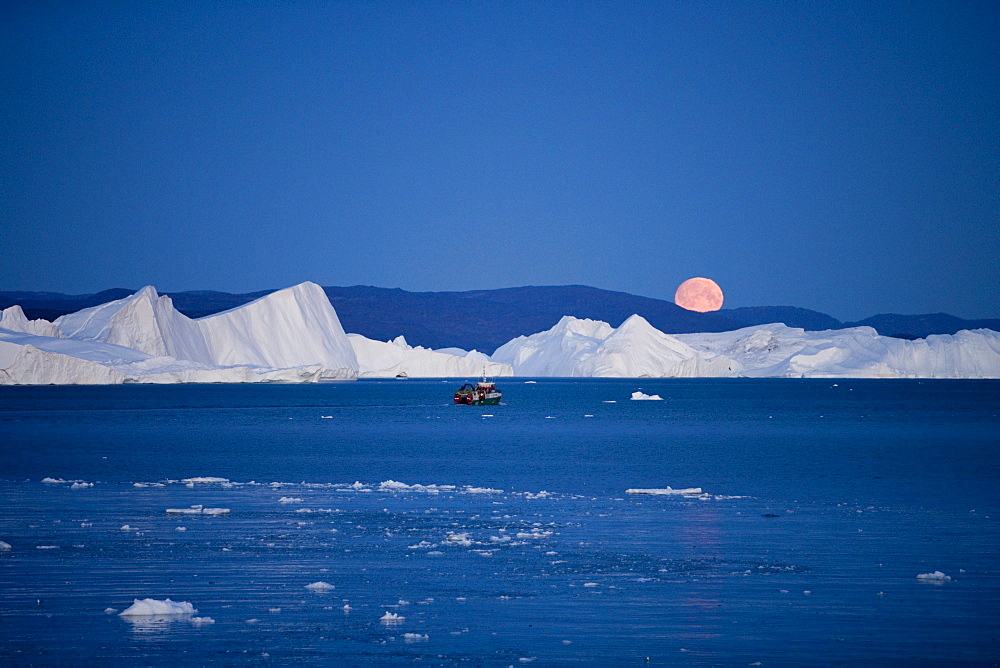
(13, 318)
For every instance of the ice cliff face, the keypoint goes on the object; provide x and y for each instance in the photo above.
(378, 359)
(289, 335)
(293, 327)
(636, 349)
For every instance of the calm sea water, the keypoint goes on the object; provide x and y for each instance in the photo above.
(503, 535)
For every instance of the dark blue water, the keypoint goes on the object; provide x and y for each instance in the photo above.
(515, 541)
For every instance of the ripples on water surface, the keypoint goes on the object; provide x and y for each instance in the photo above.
(503, 535)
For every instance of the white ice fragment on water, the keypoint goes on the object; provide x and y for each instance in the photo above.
(482, 490)
(197, 621)
(289, 499)
(198, 510)
(46, 547)
(81, 485)
(4, 546)
(151, 607)
(414, 637)
(53, 481)
(687, 491)
(320, 586)
(391, 618)
(180, 528)
(110, 611)
(936, 576)
(640, 396)
(609, 401)
(346, 608)
(205, 479)
(326, 417)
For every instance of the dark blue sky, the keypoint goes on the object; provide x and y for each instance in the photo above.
(843, 157)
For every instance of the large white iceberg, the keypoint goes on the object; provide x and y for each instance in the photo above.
(589, 348)
(576, 347)
(292, 335)
(396, 358)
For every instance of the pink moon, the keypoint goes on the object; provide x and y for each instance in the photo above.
(699, 294)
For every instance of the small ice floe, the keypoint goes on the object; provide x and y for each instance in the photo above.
(641, 396)
(481, 490)
(205, 479)
(126, 527)
(53, 481)
(346, 608)
(391, 619)
(151, 607)
(46, 547)
(530, 382)
(274, 611)
(414, 637)
(459, 539)
(180, 528)
(687, 491)
(591, 584)
(326, 417)
(609, 401)
(936, 576)
(4, 546)
(198, 621)
(81, 485)
(198, 510)
(289, 499)
(110, 611)
(320, 586)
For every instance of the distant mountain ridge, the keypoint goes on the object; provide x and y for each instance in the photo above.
(486, 319)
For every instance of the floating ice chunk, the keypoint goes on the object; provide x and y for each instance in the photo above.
(530, 382)
(126, 527)
(591, 584)
(81, 485)
(391, 618)
(414, 637)
(193, 510)
(53, 481)
(205, 479)
(289, 499)
(202, 620)
(4, 546)
(320, 586)
(198, 510)
(46, 547)
(180, 528)
(110, 611)
(346, 608)
(482, 490)
(936, 576)
(326, 417)
(640, 396)
(151, 607)
(687, 491)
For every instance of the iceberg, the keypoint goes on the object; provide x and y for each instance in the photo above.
(588, 348)
(396, 358)
(576, 347)
(292, 335)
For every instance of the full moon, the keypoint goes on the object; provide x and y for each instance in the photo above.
(699, 294)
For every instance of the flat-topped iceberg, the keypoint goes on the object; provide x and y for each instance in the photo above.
(398, 359)
(151, 607)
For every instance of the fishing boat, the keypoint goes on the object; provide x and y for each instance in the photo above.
(483, 393)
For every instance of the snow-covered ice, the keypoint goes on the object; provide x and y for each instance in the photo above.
(936, 576)
(641, 396)
(320, 586)
(150, 607)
